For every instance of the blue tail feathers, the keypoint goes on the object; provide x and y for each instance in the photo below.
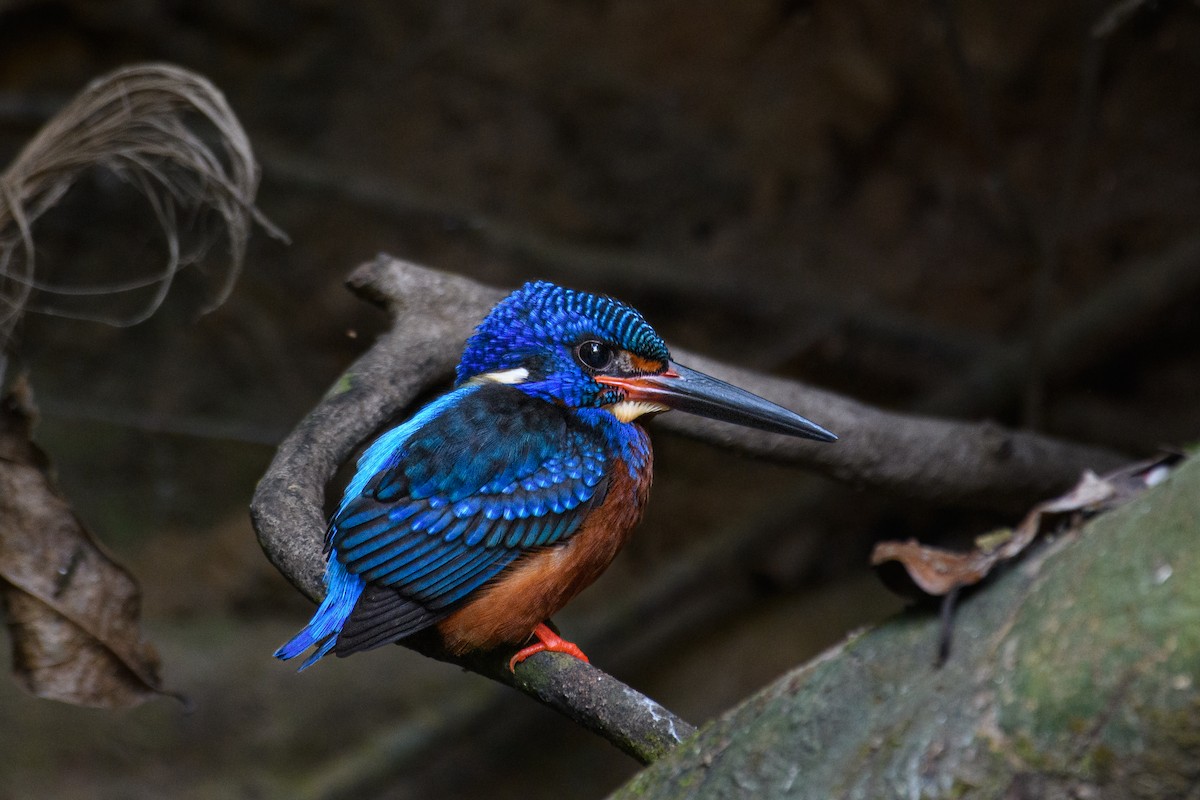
(323, 629)
(345, 587)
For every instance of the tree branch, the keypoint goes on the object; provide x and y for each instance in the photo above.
(434, 312)
(287, 505)
(940, 461)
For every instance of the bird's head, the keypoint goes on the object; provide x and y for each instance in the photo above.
(585, 350)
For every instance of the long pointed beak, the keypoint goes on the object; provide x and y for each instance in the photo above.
(687, 390)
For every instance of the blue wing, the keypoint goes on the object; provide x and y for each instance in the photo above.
(442, 504)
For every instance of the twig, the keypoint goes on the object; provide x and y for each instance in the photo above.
(1042, 234)
(1049, 233)
(1085, 335)
(983, 126)
(1115, 16)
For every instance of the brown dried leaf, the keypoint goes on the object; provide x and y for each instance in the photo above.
(71, 610)
(938, 572)
(934, 570)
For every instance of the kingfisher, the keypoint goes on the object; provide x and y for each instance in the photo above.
(494, 505)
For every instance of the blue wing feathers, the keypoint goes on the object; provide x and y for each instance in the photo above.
(544, 533)
(364, 560)
(362, 517)
(516, 534)
(462, 562)
(468, 507)
(438, 555)
(409, 574)
(439, 590)
(445, 502)
(382, 537)
(426, 520)
(408, 551)
(457, 530)
(442, 522)
(454, 592)
(496, 536)
(479, 531)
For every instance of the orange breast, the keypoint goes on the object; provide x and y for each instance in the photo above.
(537, 585)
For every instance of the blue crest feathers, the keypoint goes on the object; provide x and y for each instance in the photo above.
(541, 313)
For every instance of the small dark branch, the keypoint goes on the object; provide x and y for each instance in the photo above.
(946, 633)
(1050, 239)
(1041, 232)
(1021, 220)
(434, 312)
(979, 465)
(1037, 236)
(597, 701)
(593, 699)
(1086, 335)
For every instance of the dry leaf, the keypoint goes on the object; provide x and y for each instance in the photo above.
(72, 611)
(934, 570)
(938, 572)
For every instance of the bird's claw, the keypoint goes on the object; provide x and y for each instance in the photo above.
(548, 641)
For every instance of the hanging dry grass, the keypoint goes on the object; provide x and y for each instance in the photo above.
(137, 122)
(72, 612)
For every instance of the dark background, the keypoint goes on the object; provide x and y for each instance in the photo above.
(882, 198)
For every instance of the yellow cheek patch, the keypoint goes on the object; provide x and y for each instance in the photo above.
(629, 410)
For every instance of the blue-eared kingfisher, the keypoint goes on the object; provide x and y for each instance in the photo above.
(486, 512)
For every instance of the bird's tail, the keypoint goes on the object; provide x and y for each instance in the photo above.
(323, 629)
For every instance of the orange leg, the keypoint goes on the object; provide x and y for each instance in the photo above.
(547, 640)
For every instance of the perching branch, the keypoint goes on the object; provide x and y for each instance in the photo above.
(433, 314)
(287, 506)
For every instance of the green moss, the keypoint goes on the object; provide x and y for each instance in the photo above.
(344, 383)
(958, 790)
(1074, 666)
(1102, 763)
(1103, 630)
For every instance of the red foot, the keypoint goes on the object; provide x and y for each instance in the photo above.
(547, 640)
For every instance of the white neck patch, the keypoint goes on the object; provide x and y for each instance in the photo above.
(508, 376)
(629, 410)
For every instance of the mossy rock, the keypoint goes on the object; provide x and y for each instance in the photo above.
(1074, 673)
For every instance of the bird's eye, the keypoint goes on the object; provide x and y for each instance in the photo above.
(594, 355)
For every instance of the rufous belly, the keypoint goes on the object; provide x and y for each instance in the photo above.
(537, 585)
